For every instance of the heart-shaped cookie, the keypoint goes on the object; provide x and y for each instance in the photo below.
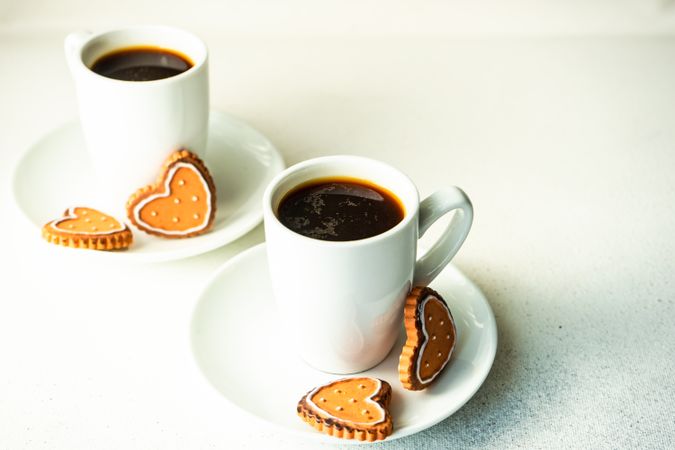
(349, 408)
(87, 228)
(182, 203)
(431, 337)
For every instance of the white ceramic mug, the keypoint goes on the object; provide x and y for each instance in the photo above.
(342, 302)
(130, 127)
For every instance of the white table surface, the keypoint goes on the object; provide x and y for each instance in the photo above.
(562, 134)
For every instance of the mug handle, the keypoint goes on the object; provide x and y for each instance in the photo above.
(431, 209)
(72, 44)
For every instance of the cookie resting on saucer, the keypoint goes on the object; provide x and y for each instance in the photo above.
(82, 227)
(180, 204)
(349, 408)
(431, 337)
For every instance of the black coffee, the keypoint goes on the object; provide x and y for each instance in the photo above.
(340, 209)
(141, 64)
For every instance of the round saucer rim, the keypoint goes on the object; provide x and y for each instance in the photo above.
(245, 224)
(252, 252)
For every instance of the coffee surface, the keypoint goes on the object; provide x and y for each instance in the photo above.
(141, 64)
(340, 209)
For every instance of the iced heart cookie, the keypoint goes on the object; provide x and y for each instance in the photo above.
(182, 203)
(87, 228)
(349, 408)
(431, 336)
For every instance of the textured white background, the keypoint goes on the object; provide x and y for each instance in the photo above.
(558, 118)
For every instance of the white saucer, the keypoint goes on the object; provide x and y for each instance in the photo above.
(236, 343)
(54, 173)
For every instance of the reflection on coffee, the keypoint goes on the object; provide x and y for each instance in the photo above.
(340, 209)
(142, 63)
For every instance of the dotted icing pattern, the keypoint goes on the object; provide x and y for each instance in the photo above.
(180, 204)
(349, 400)
(431, 338)
(87, 228)
(177, 210)
(87, 221)
(439, 338)
(349, 408)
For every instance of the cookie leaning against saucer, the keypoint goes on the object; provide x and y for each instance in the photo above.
(180, 204)
(431, 337)
(87, 228)
(349, 408)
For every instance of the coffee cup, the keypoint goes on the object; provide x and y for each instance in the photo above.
(130, 127)
(341, 301)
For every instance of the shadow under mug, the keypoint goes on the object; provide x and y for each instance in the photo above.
(341, 303)
(130, 127)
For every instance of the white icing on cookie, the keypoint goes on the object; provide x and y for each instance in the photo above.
(369, 400)
(426, 339)
(71, 215)
(167, 193)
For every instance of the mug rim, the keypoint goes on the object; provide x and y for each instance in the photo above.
(198, 63)
(411, 211)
